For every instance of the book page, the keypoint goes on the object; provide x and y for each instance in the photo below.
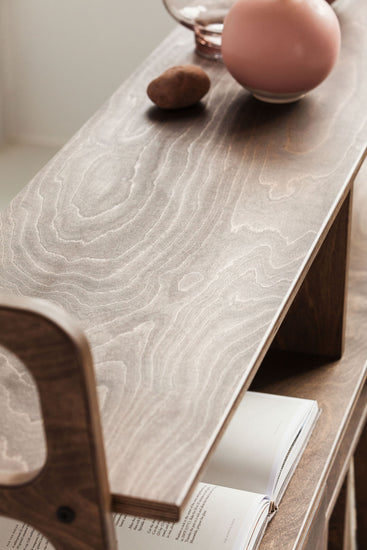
(216, 518)
(256, 442)
(294, 454)
(15, 535)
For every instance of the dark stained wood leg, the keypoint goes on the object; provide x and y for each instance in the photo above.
(68, 500)
(317, 536)
(350, 534)
(315, 321)
(342, 534)
(360, 464)
(337, 520)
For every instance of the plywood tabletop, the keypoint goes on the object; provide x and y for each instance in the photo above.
(178, 240)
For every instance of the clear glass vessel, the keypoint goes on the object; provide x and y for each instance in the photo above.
(205, 18)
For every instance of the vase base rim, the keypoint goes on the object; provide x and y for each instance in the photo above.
(208, 45)
(276, 97)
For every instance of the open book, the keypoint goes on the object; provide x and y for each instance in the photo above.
(241, 489)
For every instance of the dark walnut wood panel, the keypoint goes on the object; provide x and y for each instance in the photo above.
(315, 322)
(179, 240)
(68, 499)
(341, 390)
(360, 463)
(338, 520)
(341, 532)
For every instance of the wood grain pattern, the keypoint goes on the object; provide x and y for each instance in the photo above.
(179, 240)
(68, 498)
(341, 391)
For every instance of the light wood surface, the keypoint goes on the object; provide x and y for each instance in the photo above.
(179, 240)
(68, 498)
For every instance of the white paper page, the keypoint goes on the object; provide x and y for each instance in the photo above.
(256, 441)
(216, 518)
(295, 454)
(15, 535)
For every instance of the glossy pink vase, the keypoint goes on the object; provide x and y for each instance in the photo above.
(280, 49)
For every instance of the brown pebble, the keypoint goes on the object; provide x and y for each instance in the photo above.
(179, 87)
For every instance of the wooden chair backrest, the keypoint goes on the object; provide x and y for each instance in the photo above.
(68, 498)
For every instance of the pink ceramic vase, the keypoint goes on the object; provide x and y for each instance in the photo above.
(280, 49)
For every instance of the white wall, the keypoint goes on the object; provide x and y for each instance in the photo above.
(59, 60)
(63, 58)
(3, 46)
(1, 113)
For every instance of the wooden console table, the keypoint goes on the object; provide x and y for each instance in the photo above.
(316, 499)
(185, 244)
